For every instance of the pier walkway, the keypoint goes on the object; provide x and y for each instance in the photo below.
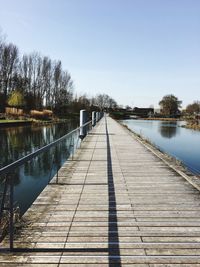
(116, 204)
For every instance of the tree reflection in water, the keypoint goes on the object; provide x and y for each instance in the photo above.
(33, 176)
(169, 129)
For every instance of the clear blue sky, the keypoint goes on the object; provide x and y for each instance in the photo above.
(134, 50)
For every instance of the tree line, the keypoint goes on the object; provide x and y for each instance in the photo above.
(33, 81)
(170, 106)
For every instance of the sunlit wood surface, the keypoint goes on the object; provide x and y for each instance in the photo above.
(116, 204)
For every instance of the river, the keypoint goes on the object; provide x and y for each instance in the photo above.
(31, 178)
(172, 139)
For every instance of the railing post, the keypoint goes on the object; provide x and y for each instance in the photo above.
(83, 119)
(72, 146)
(57, 161)
(11, 214)
(3, 198)
(93, 118)
(96, 116)
(57, 169)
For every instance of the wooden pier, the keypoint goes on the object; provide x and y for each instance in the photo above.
(116, 204)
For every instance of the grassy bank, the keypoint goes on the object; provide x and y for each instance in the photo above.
(193, 126)
(5, 123)
(13, 121)
(17, 122)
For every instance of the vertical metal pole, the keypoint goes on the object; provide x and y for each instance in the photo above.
(93, 118)
(11, 222)
(73, 148)
(57, 173)
(96, 116)
(56, 161)
(3, 198)
(83, 119)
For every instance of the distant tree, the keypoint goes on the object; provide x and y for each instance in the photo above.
(104, 101)
(170, 105)
(193, 108)
(112, 104)
(100, 101)
(16, 99)
(43, 84)
(29, 100)
(127, 107)
(8, 67)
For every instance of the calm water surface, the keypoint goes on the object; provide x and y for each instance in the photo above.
(170, 137)
(31, 178)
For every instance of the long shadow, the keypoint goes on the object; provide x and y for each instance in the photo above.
(113, 237)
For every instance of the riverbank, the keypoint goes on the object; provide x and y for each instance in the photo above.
(14, 122)
(161, 119)
(192, 126)
(171, 161)
(7, 123)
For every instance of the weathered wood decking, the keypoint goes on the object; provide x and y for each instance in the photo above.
(116, 204)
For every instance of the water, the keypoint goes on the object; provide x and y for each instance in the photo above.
(171, 138)
(31, 178)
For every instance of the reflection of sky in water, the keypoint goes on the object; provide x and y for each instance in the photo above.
(179, 142)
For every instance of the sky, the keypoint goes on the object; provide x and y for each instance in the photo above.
(136, 51)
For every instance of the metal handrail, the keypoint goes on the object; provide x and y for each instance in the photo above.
(9, 184)
(19, 162)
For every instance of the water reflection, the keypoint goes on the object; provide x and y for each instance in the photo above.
(33, 176)
(171, 138)
(168, 130)
(15, 142)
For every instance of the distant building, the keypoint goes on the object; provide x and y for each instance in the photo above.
(143, 112)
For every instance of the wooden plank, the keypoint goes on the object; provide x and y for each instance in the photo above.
(117, 196)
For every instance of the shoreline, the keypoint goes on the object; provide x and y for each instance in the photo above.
(15, 123)
(195, 127)
(161, 119)
(188, 125)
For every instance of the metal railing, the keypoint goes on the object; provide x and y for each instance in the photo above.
(7, 205)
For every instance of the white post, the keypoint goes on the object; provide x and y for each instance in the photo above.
(93, 118)
(83, 120)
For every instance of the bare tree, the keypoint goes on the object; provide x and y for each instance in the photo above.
(41, 82)
(193, 108)
(9, 63)
(104, 101)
